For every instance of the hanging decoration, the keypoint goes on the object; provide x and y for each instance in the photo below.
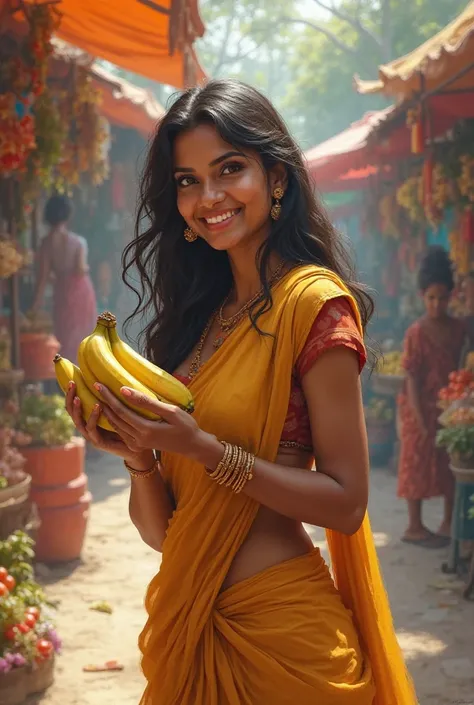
(22, 81)
(85, 147)
(415, 123)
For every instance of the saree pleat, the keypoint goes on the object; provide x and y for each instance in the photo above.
(286, 634)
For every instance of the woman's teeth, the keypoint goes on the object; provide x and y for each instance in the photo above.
(220, 218)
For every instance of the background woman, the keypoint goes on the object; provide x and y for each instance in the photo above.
(63, 260)
(259, 314)
(433, 346)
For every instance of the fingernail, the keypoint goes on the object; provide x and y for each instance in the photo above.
(98, 386)
(70, 385)
(96, 408)
(77, 401)
(126, 392)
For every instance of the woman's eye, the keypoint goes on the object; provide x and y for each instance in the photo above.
(185, 181)
(231, 168)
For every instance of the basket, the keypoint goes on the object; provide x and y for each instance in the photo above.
(387, 385)
(15, 514)
(20, 490)
(19, 683)
(463, 475)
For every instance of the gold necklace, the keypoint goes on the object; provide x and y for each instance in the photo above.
(229, 323)
(226, 328)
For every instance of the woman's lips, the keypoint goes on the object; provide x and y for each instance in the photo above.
(221, 221)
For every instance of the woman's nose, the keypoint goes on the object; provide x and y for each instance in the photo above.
(211, 195)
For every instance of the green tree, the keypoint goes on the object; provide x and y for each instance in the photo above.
(355, 37)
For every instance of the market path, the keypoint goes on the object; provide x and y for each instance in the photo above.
(435, 626)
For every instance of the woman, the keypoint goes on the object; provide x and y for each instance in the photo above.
(259, 316)
(432, 350)
(63, 258)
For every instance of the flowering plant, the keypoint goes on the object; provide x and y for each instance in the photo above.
(27, 632)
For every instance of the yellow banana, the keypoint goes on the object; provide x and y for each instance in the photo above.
(66, 372)
(109, 372)
(87, 374)
(163, 384)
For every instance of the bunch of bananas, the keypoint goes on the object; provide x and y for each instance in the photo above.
(103, 357)
(410, 198)
(10, 259)
(466, 178)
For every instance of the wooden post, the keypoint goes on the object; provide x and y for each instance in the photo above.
(14, 288)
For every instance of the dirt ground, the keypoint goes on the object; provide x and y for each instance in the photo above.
(434, 624)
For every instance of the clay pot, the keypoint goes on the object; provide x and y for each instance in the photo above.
(63, 495)
(55, 466)
(59, 490)
(60, 537)
(37, 351)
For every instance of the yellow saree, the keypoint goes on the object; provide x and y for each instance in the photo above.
(284, 635)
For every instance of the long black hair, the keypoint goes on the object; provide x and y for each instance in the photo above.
(182, 284)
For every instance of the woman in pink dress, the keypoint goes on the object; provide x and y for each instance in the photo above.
(63, 259)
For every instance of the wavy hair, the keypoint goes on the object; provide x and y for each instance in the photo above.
(182, 284)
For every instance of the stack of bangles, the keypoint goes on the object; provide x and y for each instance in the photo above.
(234, 470)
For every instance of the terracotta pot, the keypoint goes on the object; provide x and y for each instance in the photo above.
(55, 466)
(59, 495)
(61, 535)
(37, 351)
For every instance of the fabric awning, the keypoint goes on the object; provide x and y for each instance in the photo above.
(344, 151)
(151, 38)
(430, 65)
(125, 104)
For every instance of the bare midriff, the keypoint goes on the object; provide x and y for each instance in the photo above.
(272, 538)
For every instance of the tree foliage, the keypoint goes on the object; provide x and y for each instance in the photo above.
(304, 56)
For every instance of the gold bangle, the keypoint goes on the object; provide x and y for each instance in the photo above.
(142, 474)
(235, 468)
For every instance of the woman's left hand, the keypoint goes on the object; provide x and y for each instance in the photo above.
(175, 432)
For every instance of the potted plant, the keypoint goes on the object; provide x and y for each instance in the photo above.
(28, 639)
(38, 346)
(55, 461)
(458, 440)
(15, 505)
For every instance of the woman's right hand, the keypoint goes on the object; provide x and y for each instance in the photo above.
(104, 440)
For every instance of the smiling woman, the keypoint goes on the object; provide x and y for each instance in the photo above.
(254, 306)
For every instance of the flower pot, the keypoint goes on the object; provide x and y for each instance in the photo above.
(13, 686)
(387, 385)
(462, 471)
(19, 683)
(62, 532)
(37, 351)
(55, 466)
(63, 495)
(381, 437)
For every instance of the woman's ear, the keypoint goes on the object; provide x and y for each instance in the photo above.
(278, 177)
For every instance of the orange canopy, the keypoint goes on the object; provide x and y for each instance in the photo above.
(125, 104)
(438, 60)
(151, 38)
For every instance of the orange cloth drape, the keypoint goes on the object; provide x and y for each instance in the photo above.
(135, 35)
(284, 635)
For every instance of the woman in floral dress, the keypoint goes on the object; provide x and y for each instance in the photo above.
(432, 350)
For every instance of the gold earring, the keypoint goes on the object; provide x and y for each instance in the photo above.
(277, 194)
(190, 235)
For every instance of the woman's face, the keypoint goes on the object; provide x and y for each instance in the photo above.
(223, 193)
(436, 300)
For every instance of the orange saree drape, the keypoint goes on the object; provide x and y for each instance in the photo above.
(285, 635)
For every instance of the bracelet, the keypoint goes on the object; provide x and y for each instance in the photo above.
(142, 474)
(235, 469)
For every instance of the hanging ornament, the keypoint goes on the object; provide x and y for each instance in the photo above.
(415, 123)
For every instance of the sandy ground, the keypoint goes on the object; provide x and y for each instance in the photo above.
(435, 626)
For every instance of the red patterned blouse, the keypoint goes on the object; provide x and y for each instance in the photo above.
(335, 325)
